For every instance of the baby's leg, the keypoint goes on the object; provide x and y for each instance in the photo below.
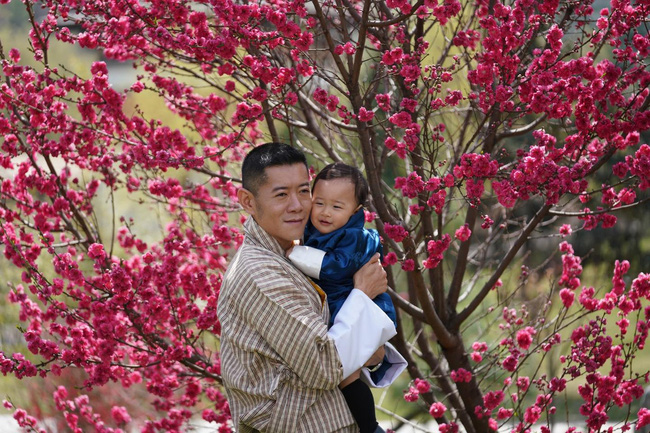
(360, 401)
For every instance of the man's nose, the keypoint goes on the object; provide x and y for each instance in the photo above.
(295, 205)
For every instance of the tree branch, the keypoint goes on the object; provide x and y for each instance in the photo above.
(505, 262)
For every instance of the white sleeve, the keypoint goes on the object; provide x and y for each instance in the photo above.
(359, 329)
(307, 259)
(392, 366)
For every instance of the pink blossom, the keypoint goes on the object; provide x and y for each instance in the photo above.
(510, 363)
(397, 146)
(369, 216)
(120, 415)
(14, 55)
(453, 98)
(401, 119)
(422, 385)
(390, 259)
(411, 186)
(435, 249)
(504, 413)
(532, 414)
(448, 427)
(348, 49)
(437, 201)
(557, 384)
(523, 383)
(332, 103)
(409, 104)
(96, 252)
(383, 101)
(365, 115)
(408, 265)
(487, 222)
(565, 230)
(305, 41)
(412, 394)
(493, 399)
(320, 96)
(480, 346)
(395, 232)
(291, 98)
(460, 375)
(137, 87)
(393, 56)
(644, 417)
(437, 409)
(567, 297)
(463, 233)
(410, 72)
(525, 337)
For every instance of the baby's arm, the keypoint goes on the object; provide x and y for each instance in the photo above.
(308, 259)
(353, 249)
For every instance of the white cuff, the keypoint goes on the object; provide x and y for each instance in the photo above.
(307, 259)
(392, 366)
(359, 329)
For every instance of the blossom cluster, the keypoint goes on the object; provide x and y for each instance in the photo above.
(522, 107)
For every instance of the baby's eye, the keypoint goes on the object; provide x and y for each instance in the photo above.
(338, 207)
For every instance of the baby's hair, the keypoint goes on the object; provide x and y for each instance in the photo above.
(338, 170)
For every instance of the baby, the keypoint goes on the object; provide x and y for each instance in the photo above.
(336, 245)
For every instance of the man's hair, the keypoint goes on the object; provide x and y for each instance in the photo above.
(338, 170)
(253, 171)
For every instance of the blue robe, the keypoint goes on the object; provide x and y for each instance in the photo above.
(347, 250)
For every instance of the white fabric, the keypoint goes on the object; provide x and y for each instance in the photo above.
(397, 365)
(359, 329)
(307, 259)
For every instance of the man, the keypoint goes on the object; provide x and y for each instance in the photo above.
(281, 366)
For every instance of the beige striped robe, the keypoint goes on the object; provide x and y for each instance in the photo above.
(280, 370)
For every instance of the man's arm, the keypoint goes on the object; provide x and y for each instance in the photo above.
(279, 310)
(361, 327)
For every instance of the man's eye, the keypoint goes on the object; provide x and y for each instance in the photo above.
(282, 194)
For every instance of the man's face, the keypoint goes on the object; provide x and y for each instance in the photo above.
(282, 204)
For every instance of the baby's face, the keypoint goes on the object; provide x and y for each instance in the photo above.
(333, 204)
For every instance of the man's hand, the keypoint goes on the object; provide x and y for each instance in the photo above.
(371, 278)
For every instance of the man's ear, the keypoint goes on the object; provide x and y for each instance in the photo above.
(246, 200)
